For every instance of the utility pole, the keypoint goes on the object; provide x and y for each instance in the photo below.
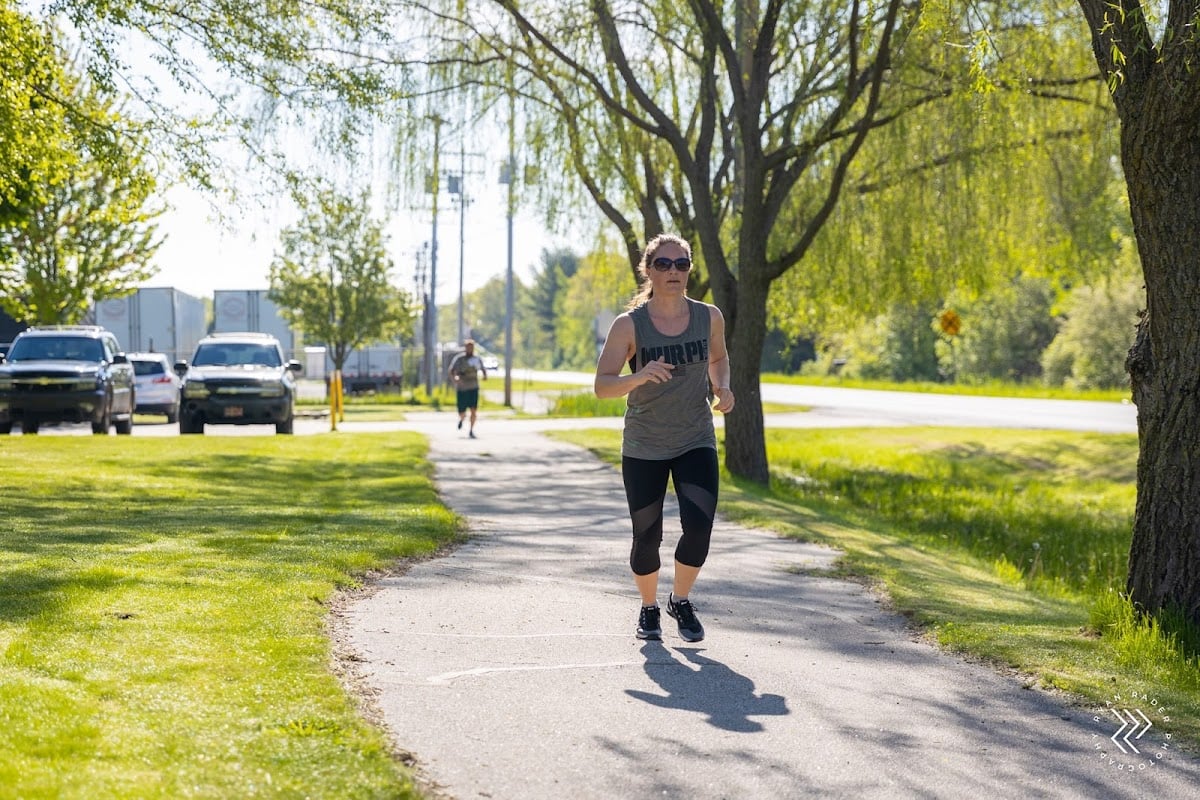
(458, 187)
(431, 345)
(462, 233)
(419, 279)
(508, 283)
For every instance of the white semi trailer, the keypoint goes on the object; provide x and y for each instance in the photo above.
(155, 320)
(236, 310)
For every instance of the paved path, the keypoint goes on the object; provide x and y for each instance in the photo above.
(510, 670)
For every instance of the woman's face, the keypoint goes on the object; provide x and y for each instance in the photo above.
(673, 280)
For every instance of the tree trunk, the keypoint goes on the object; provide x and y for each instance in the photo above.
(745, 442)
(1161, 155)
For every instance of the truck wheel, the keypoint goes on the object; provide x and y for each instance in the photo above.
(285, 427)
(173, 414)
(29, 427)
(124, 426)
(5, 428)
(101, 428)
(191, 423)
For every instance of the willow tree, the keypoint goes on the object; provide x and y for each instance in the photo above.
(1149, 52)
(215, 81)
(714, 118)
(1011, 174)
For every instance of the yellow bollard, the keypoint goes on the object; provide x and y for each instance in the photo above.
(335, 393)
(341, 399)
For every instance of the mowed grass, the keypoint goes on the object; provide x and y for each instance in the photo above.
(1005, 545)
(584, 403)
(163, 610)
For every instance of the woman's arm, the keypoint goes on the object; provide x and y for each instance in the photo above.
(618, 349)
(718, 362)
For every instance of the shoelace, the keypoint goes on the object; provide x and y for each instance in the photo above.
(650, 617)
(687, 617)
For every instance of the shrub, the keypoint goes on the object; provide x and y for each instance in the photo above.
(1096, 334)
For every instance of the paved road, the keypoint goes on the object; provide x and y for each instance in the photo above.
(870, 407)
(827, 407)
(510, 670)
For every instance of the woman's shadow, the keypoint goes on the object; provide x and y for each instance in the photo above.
(725, 697)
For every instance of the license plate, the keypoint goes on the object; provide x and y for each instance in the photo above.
(233, 411)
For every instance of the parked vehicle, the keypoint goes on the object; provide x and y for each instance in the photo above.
(370, 369)
(69, 373)
(251, 310)
(157, 320)
(156, 385)
(9, 328)
(491, 362)
(238, 379)
(448, 351)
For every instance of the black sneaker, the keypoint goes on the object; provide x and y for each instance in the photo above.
(690, 628)
(649, 626)
(460, 424)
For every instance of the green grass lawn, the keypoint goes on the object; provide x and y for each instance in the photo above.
(163, 603)
(1005, 545)
(162, 621)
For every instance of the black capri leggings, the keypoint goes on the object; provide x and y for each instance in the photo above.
(696, 476)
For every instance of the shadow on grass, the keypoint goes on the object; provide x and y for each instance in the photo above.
(287, 508)
(1055, 509)
(966, 592)
(28, 592)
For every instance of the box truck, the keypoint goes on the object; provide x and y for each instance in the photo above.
(370, 369)
(236, 310)
(155, 320)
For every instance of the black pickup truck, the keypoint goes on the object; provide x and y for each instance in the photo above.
(66, 373)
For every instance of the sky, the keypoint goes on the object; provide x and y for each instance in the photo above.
(201, 254)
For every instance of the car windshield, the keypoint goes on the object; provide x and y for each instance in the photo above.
(56, 348)
(233, 354)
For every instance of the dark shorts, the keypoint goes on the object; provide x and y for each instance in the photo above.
(467, 398)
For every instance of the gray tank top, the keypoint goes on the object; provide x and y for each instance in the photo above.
(664, 420)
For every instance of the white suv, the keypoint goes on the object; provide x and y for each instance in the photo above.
(157, 385)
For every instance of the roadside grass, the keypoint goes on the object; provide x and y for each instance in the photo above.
(989, 388)
(545, 386)
(586, 404)
(410, 398)
(1008, 546)
(162, 624)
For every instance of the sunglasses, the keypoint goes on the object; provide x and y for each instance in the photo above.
(664, 264)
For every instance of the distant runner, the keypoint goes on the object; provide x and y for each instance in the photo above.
(465, 371)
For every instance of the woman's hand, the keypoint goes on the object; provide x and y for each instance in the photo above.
(723, 400)
(656, 371)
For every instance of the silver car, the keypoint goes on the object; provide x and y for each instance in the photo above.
(157, 385)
